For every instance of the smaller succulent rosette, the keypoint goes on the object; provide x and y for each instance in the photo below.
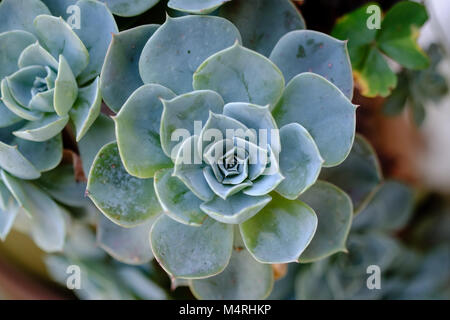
(49, 77)
(210, 136)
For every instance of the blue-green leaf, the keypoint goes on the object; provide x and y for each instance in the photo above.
(241, 75)
(359, 175)
(36, 55)
(12, 43)
(100, 133)
(182, 112)
(127, 8)
(327, 114)
(120, 73)
(58, 37)
(15, 163)
(7, 118)
(312, 51)
(300, 161)
(263, 22)
(183, 44)
(189, 169)
(236, 208)
(137, 128)
(124, 199)
(96, 29)
(334, 211)
(128, 245)
(43, 129)
(196, 6)
(19, 14)
(177, 201)
(191, 252)
(66, 88)
(7, 216)
(45, 155)
(14, 106)
(244, 278)
(258, 118)
(86, 108)
(280, 232)
(389, 210)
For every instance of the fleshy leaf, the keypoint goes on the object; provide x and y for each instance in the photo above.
(394, 200)
(62, 186)
(235, 209)
(196, 6)
(45, 155)
(127, 8)
(128, 245)
(322, 109)
(280, 232)
(334, 211)
(262, 22)
(86, 108)
(183, 44)
(43, 129)
(243, 278)
(58, 37)
(190, 169)
(191, 252)
(219, 127)
(97, 25)
(269, 179)
(48, 229)
(138, 126)
(100, 133)
(240, 75)
(43, 101)
(14, 106)
(35, 55)
(7, 217)
(300, 161)
(177, 201)
(124, 199)
(12, 43)
(120, 73)
(312, 51)
(21, 82)
(223, 190)
(5, 195)
(257, 118)
(19, 14)
(7, 118)
(183, 111)
(66, 88)
(15, 163)
(359, 175)
(399, 32)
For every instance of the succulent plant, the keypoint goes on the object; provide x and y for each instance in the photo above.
(198, 150)
(406, 273)
(49, 77)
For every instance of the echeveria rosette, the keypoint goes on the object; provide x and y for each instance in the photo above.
(233, 194)
(49, 76)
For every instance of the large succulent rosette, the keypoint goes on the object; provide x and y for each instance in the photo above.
(222, 141)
